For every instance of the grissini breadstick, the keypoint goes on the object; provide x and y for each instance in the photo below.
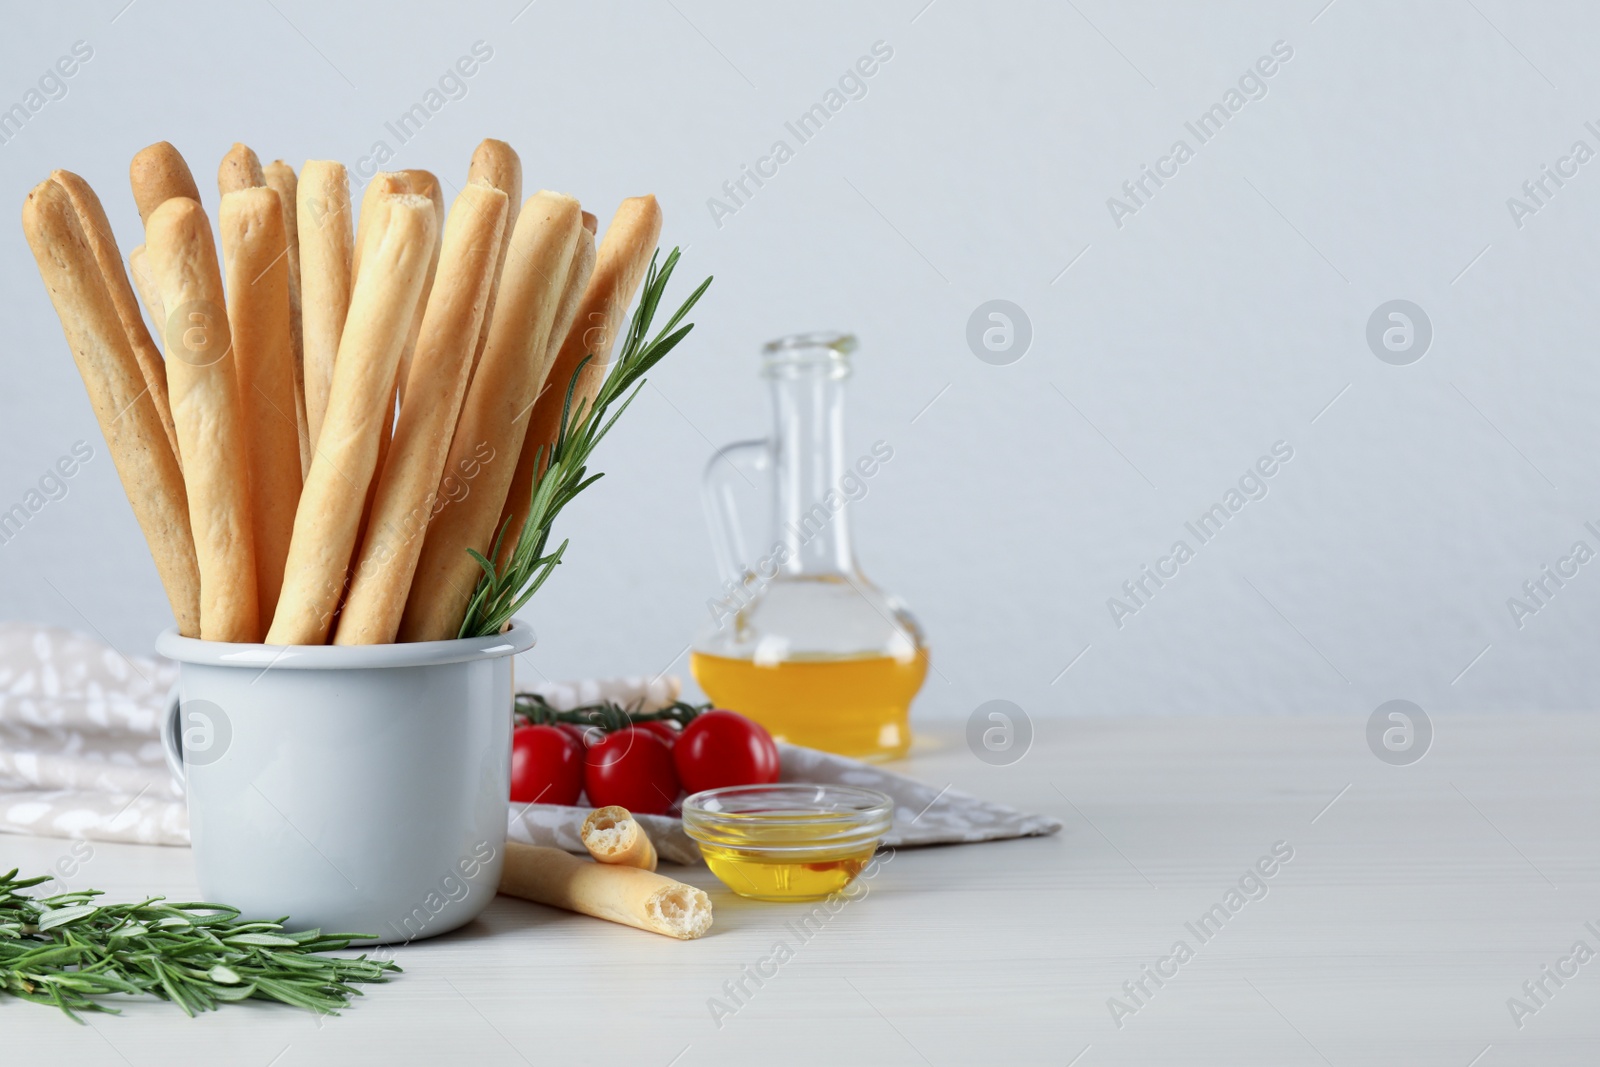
(406, 494)
(209, 416)
(150, 296)
(613, 835)
(520, 497)
(496, 163)
(327, 249)
(494, 415)
(423, 183)
(280, 178)
(253, 254)
(626, 895)
(158, 173)
(624, 256)
(97, 228)
(240, 169)
(384, 183)
(327, 520)
(118, 392)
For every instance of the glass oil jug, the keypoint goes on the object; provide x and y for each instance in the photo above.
(800, 640)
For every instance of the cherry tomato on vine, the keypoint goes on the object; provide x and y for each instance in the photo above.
(661, 728)
(583, 735)
(724, 748)
(546, 766)
(632, 768)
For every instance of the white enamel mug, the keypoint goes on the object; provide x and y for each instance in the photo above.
(355, 789)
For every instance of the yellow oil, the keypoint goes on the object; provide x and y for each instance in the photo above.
(746, 862)
(855, 706)
(764, 876)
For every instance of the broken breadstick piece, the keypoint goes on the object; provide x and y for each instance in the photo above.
(626, 895)
(613, 835)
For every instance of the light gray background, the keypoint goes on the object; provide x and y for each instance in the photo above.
(1226, 315)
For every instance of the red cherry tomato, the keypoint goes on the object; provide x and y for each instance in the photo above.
(661, 729)
(724, 748)
(546, 766)
(633, 768)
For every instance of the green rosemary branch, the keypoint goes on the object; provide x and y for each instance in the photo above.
(69, 951)
(502, 592)
(608, 715)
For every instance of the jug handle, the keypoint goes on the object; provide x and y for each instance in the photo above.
(722, 512)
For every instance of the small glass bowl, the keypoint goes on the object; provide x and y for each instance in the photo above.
(787, 841)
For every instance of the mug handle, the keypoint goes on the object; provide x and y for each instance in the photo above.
(172, 737)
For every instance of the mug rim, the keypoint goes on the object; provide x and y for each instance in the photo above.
(169, 643)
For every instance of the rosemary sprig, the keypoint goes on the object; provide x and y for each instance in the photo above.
(70, 951)
(607, 715)
(501, 592)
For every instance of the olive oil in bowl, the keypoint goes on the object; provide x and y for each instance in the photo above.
(788, 841)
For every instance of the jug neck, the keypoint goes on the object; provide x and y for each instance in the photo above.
(811, 480)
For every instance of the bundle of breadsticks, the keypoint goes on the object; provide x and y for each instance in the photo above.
(317, 425)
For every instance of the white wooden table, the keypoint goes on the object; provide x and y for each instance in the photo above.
(1415, 905)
